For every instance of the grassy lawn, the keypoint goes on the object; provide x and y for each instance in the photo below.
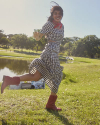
(78, 96)
(18, 54)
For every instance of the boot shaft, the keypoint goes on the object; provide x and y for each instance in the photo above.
(11, 80)
(51, 103)
(52, 99)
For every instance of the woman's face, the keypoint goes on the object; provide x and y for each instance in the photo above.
(57, 16)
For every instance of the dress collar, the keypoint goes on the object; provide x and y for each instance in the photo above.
(57, 24)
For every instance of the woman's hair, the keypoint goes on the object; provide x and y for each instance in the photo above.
(58, 8)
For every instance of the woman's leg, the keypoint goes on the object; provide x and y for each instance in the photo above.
(31, 77)
(52, 93)
(16, 80)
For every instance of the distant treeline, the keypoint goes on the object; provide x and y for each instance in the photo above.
(89, 46)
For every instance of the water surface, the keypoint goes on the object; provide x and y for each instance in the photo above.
(13, 67)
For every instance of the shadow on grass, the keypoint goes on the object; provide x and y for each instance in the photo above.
(4, 122)
(28, 53)
(60, 117)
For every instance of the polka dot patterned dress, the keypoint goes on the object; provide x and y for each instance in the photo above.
(48, 64)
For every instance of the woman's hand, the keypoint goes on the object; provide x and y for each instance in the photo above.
(37, 35)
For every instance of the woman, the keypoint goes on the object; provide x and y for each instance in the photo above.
(48, 65)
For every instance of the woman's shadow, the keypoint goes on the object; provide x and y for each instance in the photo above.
(60, 117)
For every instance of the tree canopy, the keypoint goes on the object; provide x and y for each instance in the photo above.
(89, 46)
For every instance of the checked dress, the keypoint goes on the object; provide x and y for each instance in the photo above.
(48, 64)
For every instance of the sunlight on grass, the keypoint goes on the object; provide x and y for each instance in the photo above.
(78, 96)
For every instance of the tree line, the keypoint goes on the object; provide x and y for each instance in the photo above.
(21, 41)
(89, 46)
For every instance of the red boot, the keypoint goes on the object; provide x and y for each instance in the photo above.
(9, 81)
(51, 103)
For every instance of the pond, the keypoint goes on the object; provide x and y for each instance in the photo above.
(13, 67)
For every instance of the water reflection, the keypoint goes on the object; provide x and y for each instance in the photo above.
(13, 67)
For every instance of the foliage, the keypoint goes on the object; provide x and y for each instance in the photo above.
(89, 46)
(29, 43)
(1, 34)
(19, 40)
(4, 41)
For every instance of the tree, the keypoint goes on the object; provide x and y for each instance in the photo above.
(87, 46)
(30, 43)
(65, 40)
(62, 49)
(19, 41)
(23, 39)
(4, 41)
(43, 42)
(91, 44)
(75, 38)
(1, 34)
(68, 47)
(10, 36)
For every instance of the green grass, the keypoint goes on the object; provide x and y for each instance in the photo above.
(78, 96)
(18, 54)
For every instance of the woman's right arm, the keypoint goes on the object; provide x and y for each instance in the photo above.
(47, 27)
(37, 35)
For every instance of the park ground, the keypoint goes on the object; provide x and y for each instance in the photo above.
(78, 96)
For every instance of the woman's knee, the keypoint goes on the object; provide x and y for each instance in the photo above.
(37, 76)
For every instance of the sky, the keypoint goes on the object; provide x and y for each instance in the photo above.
(81, 17)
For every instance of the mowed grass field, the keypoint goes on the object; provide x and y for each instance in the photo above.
(78, 96)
